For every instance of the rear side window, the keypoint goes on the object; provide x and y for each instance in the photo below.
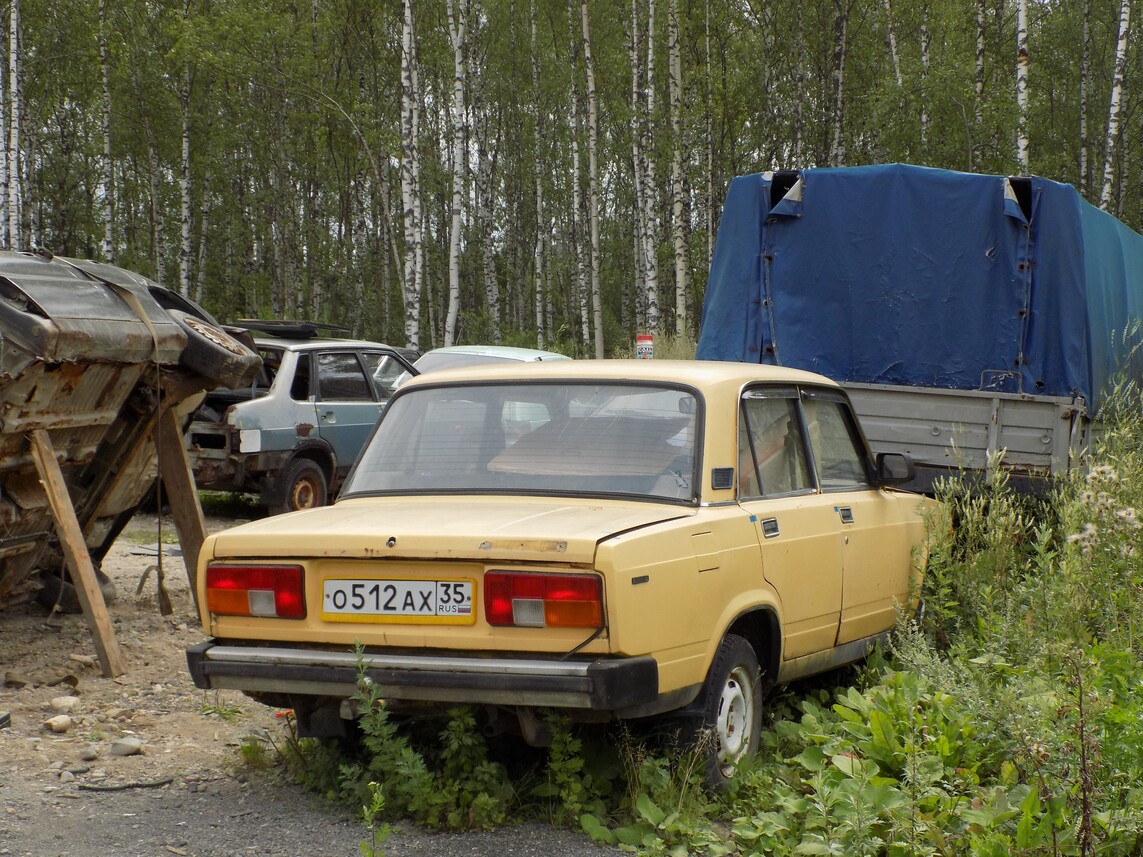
(340, 378)
(839, 454)
(771, 452)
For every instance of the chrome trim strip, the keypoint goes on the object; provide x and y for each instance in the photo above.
(295, 657)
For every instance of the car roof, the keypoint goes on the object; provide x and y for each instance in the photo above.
(504, 352)
(318, 343)
(698, 373)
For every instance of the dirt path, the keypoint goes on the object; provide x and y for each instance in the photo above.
(186, 791)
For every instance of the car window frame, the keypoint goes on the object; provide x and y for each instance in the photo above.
(856, 436)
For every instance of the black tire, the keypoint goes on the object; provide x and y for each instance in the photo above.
(304, 486)
(58, 592)
(215, 354)
(732, 710)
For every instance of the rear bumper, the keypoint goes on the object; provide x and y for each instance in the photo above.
(596, 685)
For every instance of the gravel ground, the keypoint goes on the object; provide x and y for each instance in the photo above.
(146, 765)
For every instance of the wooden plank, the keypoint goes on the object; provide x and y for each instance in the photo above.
(75, 550)
(182, 495)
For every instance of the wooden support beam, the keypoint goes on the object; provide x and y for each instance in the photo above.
(181, 493)
(75, 550)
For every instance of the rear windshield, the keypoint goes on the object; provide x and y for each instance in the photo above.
(537, 438)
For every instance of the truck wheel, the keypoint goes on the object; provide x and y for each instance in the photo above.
(214, 353)
(303, 486)
(732, 709)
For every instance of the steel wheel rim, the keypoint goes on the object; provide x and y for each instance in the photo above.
(305, 494)
(735, 716)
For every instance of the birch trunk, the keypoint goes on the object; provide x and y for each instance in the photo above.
(457, 28)
(108, 176)
(185, 185)
(637, 166)
(1115, 107)
(5, 185)
(981, 24)
(410, 179)
(485, 188)
(538, 256)
(200, 266)
(891, 43)
(840, 23)
(581, 264)
(1084, 84)
(650, 182)
(1022, 145)
(14, 120)
(592, 180)
(924, 94)
(709, 147)
(678, 192)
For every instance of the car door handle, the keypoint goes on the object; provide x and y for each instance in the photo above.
(846, 514)
(770, 528)
(329, 416)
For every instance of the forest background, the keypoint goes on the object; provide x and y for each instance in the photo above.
(532, 172)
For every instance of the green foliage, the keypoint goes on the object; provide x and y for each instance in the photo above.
(1007, 721)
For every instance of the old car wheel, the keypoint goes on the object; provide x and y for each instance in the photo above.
(304, 486)
(214, 353)
(732, 709)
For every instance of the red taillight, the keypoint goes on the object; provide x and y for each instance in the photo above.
(543, 600)
(256, 590)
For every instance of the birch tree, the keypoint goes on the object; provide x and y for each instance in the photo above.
(185, 182)
(410, 179)
(1022, 85)
(592, 180)
(891, 43)
(5, 185)
(108, 176)
(1084, 83)
(678, 193)
(458, 29)
(924, 93)
(642, 142)
(840, 25)
(539, 268)
(1115, 107)
(14, 120)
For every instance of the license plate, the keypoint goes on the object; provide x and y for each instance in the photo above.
(447, 602)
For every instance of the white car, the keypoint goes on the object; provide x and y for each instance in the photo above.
(454, 356)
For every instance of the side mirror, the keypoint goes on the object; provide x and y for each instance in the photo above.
(894, 468)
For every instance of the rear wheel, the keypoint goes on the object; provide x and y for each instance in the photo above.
(304, 486)
(732, 709)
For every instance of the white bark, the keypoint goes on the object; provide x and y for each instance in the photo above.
(5, 189)
(643, 171)
(185, 186)
(581, 263)
(678, 191)
(981, 24)
(924, 94)
(592, 181)
(840, 24)
(14, 120)
(457, 28)
(1022, 145)
(1115, 107)
(709, 148)
(538, 255)
(891, 43)
(108, 176)
(410, 179)
(1084, 84)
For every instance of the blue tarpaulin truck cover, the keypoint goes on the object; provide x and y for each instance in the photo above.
(914, 276)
